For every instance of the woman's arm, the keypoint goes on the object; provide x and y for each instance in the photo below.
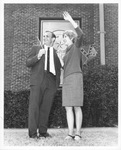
(68, 17)
(78, 30)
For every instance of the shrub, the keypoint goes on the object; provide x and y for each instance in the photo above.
(100, 102)
(16, 109)
(101, 96)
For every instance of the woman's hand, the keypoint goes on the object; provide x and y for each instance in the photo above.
(67, 16)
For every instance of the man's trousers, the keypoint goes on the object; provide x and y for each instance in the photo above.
(41, 99)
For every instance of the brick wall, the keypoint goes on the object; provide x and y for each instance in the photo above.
(21, 30)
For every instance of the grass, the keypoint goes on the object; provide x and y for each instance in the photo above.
(90, 137)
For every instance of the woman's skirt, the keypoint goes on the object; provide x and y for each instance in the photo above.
(72, 90)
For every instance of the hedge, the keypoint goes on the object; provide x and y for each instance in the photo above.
(100, 102)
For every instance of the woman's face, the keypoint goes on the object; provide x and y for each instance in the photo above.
(67, 41)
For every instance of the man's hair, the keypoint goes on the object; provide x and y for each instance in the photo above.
(53, 35)
(71, 34)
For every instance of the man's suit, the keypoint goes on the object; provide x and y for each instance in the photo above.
(43, 87)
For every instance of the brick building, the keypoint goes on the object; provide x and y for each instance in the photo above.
(21, 27)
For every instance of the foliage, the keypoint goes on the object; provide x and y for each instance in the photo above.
(101, 96)
(100, 102)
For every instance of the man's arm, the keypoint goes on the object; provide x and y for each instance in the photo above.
(33, 58)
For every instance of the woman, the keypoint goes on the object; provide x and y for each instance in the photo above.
(72, 90)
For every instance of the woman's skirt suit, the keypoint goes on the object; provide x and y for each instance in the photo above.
(72, 89)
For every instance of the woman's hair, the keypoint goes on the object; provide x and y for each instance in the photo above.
(71, 34)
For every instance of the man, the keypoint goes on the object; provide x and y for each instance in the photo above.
(44, 81)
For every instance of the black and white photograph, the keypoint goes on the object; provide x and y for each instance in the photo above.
(60, 80)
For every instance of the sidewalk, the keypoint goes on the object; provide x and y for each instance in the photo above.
(90, 137)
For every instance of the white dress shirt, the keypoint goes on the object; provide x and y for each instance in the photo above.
(52, 65)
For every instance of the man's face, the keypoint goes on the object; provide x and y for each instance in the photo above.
(47, 39)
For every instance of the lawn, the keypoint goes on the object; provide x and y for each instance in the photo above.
(90, 137)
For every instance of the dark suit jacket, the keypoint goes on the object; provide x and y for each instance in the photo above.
(37, 66)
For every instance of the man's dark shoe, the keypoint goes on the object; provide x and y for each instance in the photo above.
(45, 135)
(33, 136)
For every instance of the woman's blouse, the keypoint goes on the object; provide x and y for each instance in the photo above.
(73, 56)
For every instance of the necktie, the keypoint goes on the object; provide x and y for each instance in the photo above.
(48, 59)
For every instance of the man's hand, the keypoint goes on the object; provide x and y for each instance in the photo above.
(41, 52)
